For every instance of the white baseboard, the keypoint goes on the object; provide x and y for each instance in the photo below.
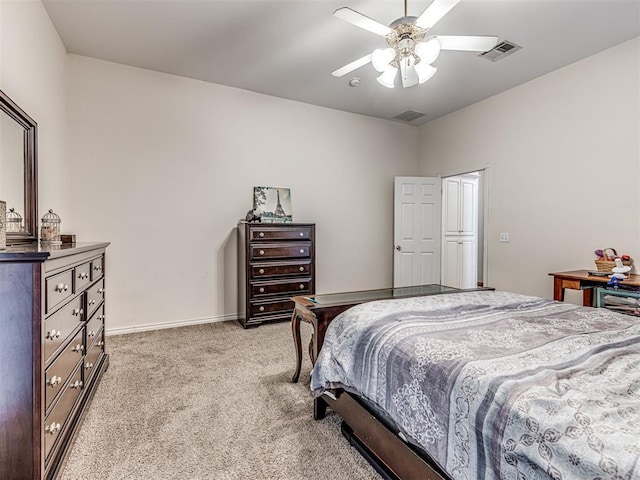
(161, 326)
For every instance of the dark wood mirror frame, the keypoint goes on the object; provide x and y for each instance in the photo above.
(30, 231)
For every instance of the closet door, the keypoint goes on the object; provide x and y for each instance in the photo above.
(467, 263)
(468, 206)
(451, 206)
(451, 270)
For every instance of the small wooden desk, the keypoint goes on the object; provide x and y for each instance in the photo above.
(581, 280)
(320, 310)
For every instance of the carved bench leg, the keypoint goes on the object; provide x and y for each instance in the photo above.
(295, 329)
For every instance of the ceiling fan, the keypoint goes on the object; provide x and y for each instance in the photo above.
(411, 50)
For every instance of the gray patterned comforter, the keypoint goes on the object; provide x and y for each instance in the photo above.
(496, 385)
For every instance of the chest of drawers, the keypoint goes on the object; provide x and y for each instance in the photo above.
(52, 352)
(276, 262)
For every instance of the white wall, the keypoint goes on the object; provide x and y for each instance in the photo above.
(564, 177)
(164, 167)
(33, 75)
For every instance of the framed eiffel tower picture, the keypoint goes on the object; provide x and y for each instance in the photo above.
(272, 204)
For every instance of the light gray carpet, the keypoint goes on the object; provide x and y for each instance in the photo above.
(209, 402)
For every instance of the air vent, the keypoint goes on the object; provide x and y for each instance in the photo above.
(408, 116)
(501, 50)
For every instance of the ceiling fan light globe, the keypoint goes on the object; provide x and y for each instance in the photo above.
(381, 58)
(428, 51)
(388, 77)
(425, 71)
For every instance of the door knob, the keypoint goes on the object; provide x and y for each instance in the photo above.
(398, 248)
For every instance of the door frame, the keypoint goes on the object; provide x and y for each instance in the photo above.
(485, 212)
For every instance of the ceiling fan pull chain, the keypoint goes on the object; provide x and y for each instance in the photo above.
(405, 8)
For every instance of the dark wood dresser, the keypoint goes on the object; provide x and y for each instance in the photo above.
(52, 351)
(276, 262)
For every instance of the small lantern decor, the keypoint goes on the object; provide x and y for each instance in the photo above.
(14, 221)
(50, 229)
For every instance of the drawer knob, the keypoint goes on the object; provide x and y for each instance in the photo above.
(76, 384)
(261, 234)
(91, 334)
(261, 309)
(302, 286)
(302, 269)
(301, 234)
(53, 381)
(78, 311)
(97, 268)
(53, 334)
(302, 250)
(92, 302)
(261, 289)
(78, 348)
(100, 344)
(261, 271)
(100, 317)
(88, 366)
(100, 291)
(61, 287)
(261, 252)
(83, 275)
(53, 428)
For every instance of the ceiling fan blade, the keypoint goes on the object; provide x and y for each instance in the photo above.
(434, 12)
(352, 66)
(466, 43)
(362, 21)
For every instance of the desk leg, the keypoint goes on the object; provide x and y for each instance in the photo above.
(558, 289)
(587, 297)
(295, 328)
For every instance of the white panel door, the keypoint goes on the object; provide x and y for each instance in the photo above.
(416, 231)
(468, 262)
(451, 189)
(451, 262)
(468, 206)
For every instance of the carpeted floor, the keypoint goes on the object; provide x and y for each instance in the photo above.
(209, 402)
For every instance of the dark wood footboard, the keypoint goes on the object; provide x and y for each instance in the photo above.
(394, 458)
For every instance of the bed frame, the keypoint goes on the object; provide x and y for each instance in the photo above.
(380, 446)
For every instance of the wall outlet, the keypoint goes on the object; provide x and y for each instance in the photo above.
(504, 237)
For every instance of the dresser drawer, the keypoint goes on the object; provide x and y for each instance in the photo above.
(59, 371)
(292, 287)
(60, 325)
(58, 288)
(270, 233)
(266, 270)
(268, 308)
(56, 422)
(83, 276)
(94, 325)
(97, 268)
(285, 250)
(92, 358)
(95, 296)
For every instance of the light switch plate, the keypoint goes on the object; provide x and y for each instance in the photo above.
(504, 237)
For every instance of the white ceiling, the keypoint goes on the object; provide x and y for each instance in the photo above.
(287, 48)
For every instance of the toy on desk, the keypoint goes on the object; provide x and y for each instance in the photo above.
(619, 270)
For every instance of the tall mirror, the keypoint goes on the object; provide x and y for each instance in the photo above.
(18, 163)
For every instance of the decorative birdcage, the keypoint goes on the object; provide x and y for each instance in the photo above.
(50, 229)
(14, 221)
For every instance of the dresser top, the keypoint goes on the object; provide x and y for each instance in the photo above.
(34, 252)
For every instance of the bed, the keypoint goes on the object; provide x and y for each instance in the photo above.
(487, 385)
